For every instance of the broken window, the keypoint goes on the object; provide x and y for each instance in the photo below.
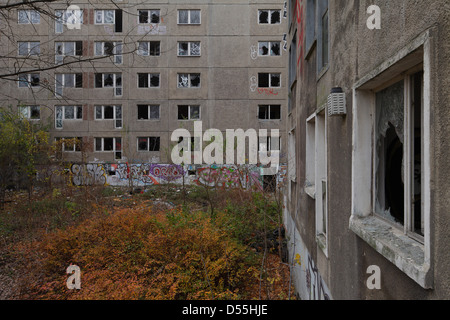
(269, 112)
(149, 16)
(148, 80)
(269, 80)
(149, 144)
(109, 80)
(149, 48)
(30, 112)
(269, 48)
(109, 113)
(188, 80)
(186, 112)
(148, 112)
(269, 16)
(191, 48)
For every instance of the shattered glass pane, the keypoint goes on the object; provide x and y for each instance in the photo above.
(154, 80)
(263, 16)
(183, 48)
(35, 112)
(155, 48)
(143, 16)
(390, 109)
(59, 117)
(183, 81)
(143, 49)
(275, 17)
(195, 80)
(155, 16)
(195, 112)
(98, 113)
(263, 48)
(275, 49)
(275, 80)
(195, 48)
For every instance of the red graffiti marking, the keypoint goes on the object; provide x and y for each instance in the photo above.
(267, 91)
(299, 14)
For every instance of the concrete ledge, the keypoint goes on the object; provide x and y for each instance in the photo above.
(405, 253)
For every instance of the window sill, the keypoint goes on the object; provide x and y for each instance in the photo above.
(311, 191)
(405, 253)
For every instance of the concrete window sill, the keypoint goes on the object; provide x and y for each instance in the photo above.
(407, 254)
(311, 191)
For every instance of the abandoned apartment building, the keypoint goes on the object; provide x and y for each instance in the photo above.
(132, 72)
(367, 129)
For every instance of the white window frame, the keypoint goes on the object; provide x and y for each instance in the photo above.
(61, 116)
(190, 111)
(189, 80)
(28, 83)
(268, 112)
(269, 47)
(117, 50)
(102, 146)
(189, 17)
(189, 50)
(148, 144)
(149, 112)
(118, 90)
(59, 58)
(103, 11)
(61, 85)
(25, 112)
(270, 11)
(149, 16)
(149, 75)
(30, 13)
(31, 46)
(147, 52)
(368, 226)
(270, 79)
(118, 121)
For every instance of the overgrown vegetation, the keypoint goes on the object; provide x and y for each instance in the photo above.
(136, 247)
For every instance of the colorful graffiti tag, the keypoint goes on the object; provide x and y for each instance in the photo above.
(147, 174)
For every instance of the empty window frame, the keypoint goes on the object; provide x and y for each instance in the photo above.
(64, 17)
(67, 80)
(398, 153)
(149, 16)
(70, 144)
(30, 112)
(269, 16)
(109, 80)
(148, 80)
(109, 145)
(149, 144)
(29, 48)
(269, 112)
(189, 17)
(269, 80)
(188, 80)
(149, 48)
(29, 80)
(67, 48)
(67, 113)
(29, 17)
(109, 48)
(189, 49)
(109, 113)
(193, 143)
(269, 48)
(148, 112)
(187, 112)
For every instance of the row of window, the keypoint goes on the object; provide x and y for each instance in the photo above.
(148, 144)
(144, 112)
(112, 17)
(144, 48)
(144, 80)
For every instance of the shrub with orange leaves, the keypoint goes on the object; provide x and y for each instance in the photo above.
(140, 253)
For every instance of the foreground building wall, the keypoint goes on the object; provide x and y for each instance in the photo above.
(368, 190)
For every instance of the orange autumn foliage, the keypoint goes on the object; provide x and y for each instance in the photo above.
(138, 253)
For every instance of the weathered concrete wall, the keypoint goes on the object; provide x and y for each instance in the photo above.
(355, 52)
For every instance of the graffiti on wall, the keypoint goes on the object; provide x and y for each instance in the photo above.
(317, 289)
(147, 174)
(299, 14)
